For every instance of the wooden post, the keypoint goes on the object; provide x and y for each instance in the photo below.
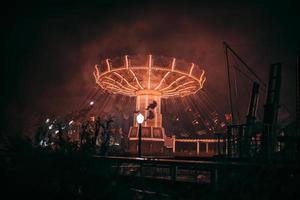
(214, 178)
(173, 173)
(174, 144)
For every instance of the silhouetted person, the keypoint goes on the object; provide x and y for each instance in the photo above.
(105, 136)
(150, 114)
(152, 105)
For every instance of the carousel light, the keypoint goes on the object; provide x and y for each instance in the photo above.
(129, 79)
(149, 78)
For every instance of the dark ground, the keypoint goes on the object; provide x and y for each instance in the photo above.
(56, 176)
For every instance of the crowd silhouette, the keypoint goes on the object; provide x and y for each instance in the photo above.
(95, 137)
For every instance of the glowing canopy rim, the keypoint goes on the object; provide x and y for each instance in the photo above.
(144, 75)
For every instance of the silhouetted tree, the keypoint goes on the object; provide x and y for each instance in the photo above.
(40, 134)
(83, 133)
(97, 130)
(86, 141)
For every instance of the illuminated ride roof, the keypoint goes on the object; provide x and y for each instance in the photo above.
(150, 75)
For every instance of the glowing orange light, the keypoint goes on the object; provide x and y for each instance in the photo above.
(149, 78)
(129, 78)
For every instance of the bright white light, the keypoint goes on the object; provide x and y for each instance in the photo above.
(47, 121)
(140, 118)
(50, 127)
(56, 131)
(91, 103)
(71, 122)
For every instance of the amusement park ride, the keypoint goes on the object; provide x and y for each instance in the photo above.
(152, 78)
(149, 79)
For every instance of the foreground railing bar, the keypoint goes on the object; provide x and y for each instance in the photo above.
(195, 163)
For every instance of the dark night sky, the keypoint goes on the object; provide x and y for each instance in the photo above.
(50, 49)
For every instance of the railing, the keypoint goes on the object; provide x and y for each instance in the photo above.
(242, 142)
(206, 172)
(264, 142)
(212, 146)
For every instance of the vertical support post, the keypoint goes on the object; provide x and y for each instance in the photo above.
(198, 148)
(140, 141)
(251, 116)
(214, 178)
(298, 105)
(219, 150)
(240, 141)
(229, 143)
(224, 145)
(250, 120)
(173, 172)
(141, 169)
(229, 82)
(174, 144)
(271, 111)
